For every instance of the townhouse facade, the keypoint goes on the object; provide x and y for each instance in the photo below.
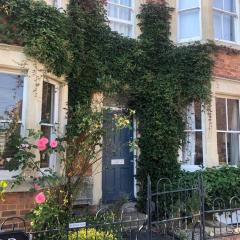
(41, 99)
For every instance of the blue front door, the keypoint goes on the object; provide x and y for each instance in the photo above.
(118, 174)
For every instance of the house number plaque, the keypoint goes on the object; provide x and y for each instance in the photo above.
(117, 161)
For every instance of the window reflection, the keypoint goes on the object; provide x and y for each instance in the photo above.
(11, 99)
(228, 130)
(225, 18)
(193, 147)
(221, 145)
(221, 113)
(47, 121)
(233, 114)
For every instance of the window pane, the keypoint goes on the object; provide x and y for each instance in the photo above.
(193, 150)
(189, 149)
(11, 95)
(124, 29)
(194, 116)
(124, 14)
(221, 145)
(112, 11)
(229, 5)
(233, 148)
(44, 160)
(189, 24)
(198, 149)
(217, 19)
(126, 2)
(185, 4)
(48, 102)
(228, 28)
(198, 115)
(221, 113)
(218, 4)
(7, 142)
(233, 114)
(46, 130)
(113, 1)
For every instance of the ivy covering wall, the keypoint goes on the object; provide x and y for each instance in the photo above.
(158, 78)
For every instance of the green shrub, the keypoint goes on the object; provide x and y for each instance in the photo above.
(91, 234)
(219, 182)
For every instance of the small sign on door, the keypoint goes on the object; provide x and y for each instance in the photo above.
(117, 161)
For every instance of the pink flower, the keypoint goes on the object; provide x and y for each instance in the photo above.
(53, 144)
(42, 143)
(40, 198)
(44, 140)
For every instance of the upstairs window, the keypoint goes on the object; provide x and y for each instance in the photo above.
(11, 102)
(225, 19)
(192, 153)
(120, 15)
(228, 130)
(189, 20)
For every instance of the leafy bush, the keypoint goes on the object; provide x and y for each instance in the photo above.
(223, 182)
(91, 234)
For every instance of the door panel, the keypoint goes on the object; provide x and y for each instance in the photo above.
(118, 174)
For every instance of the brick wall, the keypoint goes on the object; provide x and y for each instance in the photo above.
(16, 204)
(227, 65)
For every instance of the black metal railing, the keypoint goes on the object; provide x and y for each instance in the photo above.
(178, 211)
(174, 211)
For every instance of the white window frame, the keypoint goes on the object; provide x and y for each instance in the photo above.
(236, 25)
(227, 131)
(186, 164)
(52, 160)
(117, 20)
(5, 174)
(192, 39)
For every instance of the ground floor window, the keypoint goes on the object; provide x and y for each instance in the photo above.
(228, 130)
(11, 102)
(49, 116)
(192, 152)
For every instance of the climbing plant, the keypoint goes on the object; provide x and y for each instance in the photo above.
(158, 78)
(171, 77)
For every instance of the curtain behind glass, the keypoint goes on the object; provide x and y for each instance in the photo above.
(233, 148)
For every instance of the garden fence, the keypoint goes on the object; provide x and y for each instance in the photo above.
(173, 211)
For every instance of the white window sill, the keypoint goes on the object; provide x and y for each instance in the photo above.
(188, 40)
(190, 167)
(226, 41)
(7, 175)
(235, 45)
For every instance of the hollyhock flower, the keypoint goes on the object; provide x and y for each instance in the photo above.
(40, 198)
(53, 144)
(42, 143)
